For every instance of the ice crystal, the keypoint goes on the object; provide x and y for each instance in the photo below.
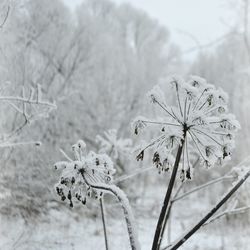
(199, 121)
(74, 184)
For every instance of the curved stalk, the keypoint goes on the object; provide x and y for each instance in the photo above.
(129, 218)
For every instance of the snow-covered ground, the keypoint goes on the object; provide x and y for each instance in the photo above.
(67, 230)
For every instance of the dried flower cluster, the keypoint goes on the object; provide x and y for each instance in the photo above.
(112, 145)
(199, 121)
(79, 175)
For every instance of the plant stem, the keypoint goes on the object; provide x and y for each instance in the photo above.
(227, 212)
(211, 212)
(104, 223)
(165, 210)
(201, 187)
(128, 215)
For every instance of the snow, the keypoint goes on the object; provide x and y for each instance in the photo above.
(63, 229)
(97, 64)
(200, 120)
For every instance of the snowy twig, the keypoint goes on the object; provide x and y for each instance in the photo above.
(195, 228)
(19, 104)
(120, 195)
(227, 212)
(126, 177)
(104, 224)
(5, 18)
(10, 145)
(168, 214)
(65, 155)
(26, 100)
(176, 197)
(201, 187)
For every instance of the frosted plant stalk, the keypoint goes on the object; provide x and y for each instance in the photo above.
(91, 175)
(197, 125)
(241, 179)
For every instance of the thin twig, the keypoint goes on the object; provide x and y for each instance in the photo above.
(104, 224)
(201, 187)
(227, 212)
(160, 123)
(126, 177)
(223, 200)
(5, 18)
(15, 144)
(25, 100)
(65, 155)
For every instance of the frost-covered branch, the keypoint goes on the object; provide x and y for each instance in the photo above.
(228, 212)
(201, 187)
(10, 145)
(30, 107)
(223, 200)
(5, 17)
(135, 173)
(26, 100)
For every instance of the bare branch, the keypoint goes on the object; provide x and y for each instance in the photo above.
(201, 187)
(227, 212)
(5, 18)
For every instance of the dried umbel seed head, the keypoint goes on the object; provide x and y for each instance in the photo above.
(112, 145)
(79, 174)
(199, 121)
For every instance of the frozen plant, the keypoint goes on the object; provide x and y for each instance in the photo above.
(30, 107)
(198, 124)
(91, 175)
(117, 148)
(112, 145)
(243, 197)
(241, 174)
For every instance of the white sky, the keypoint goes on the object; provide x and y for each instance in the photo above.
(205, 20)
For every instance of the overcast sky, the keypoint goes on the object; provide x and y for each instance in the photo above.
(187, 20)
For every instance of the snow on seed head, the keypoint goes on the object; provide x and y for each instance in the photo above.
(199, 121)
(156, 95)
(110, 144)
(79, 176)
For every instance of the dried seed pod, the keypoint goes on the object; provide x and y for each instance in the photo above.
(140, 156)
(188, 174)
(84, 201)
(69, 195)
